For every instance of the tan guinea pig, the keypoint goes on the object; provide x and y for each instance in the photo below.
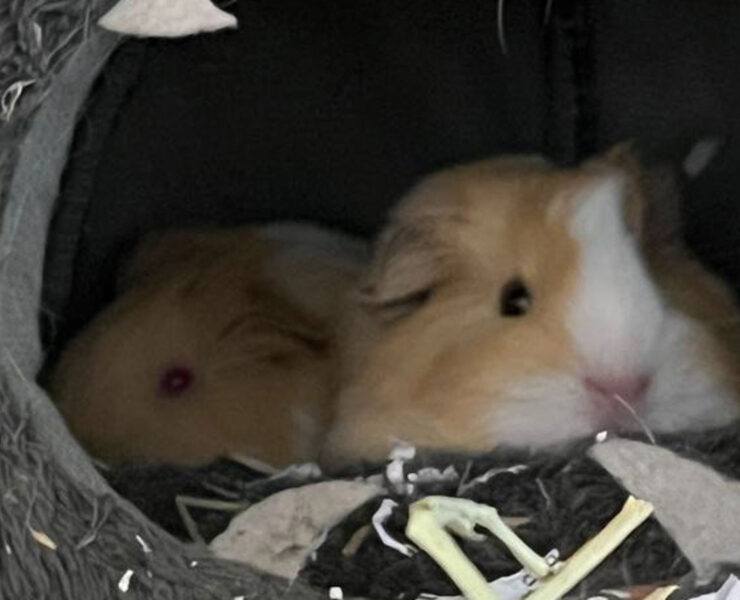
(513, 302)
(220, 342)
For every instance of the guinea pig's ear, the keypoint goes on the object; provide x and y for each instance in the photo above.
(663, 191)
(623, 158)
(654, 192)
(160, 253)
(689, 155)
(624, 155)
(402, 274)
(665, 180)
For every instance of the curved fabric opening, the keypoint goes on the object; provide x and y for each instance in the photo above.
(88, 536)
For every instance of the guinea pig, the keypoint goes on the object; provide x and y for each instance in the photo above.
(219, 342)
(513, 302)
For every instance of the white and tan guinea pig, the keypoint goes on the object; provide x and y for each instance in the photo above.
(220, 342)
(513, 302)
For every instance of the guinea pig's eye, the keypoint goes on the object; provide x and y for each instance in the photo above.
(516, 299)
(175, 381)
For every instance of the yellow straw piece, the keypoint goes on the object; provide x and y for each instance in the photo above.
(592, 553)
(43, 539)
(432, 517)
(461, 516)
(661, 593)
(425, 531)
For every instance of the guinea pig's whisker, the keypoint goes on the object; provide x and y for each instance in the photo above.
(636, 417)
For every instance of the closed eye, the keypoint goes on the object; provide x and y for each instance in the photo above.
(396, 308)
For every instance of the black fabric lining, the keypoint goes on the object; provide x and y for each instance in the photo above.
(560, 143)
(586, 119)
(76, 188)
(324, 114)
(572, 120)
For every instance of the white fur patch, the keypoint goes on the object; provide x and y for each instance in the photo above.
(304, 240)
(616, 316)
(541, 411)
(620, 327)
(307, 257)
(685, 393)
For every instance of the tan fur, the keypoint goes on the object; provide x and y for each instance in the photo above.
(699, 294)
(262, 356)
(463, 233)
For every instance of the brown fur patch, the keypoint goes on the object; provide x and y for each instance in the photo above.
(425, 349)
(262, 363)
(472, 230)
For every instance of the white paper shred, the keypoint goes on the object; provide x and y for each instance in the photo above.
(335, 593)
(601, 436)
(397, 478)
(432, 475)
(402, 451)
(303, 471)
(125, 581)
(379, 518)
(490, 474)
(394, 471)
(165, 18)
(730, 590)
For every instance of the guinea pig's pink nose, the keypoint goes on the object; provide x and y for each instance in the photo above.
(631, 389)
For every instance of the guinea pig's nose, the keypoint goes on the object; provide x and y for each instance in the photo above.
(631, 389)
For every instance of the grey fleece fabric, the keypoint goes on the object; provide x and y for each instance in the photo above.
(63, 532)
(699, 507)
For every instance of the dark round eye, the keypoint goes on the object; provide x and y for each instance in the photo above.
(175, 381)
(516, 299)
